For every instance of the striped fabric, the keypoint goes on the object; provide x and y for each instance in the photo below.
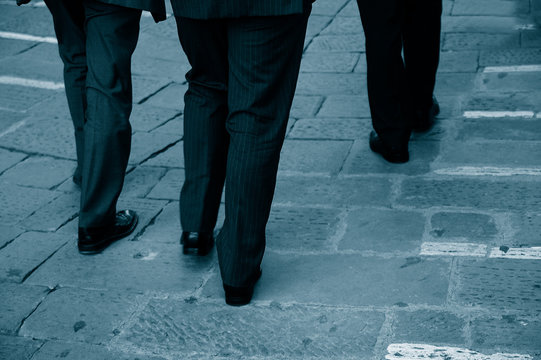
(157, 7)
(241, 86)
(212, 9)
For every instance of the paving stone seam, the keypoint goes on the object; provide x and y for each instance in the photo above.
(28, 274)
(154, 93)
(33, 310)
(158, 152)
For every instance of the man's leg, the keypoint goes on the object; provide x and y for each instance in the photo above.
(421, 37)
(69, 18)
(112, 33)
(205, 137)
(264, 60)
(382, 23)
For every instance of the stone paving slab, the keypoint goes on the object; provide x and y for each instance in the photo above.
(472, 227)
(77, 350)
(49, 69)
(53, 215)
(330, 128)
(343, 26)
(8, 233)
(458, 61)
(18, 302)
(345, 106)
(141, 180)
(527, 227)
(331, 84)
(11, 47)
(500, 285)
(180, 326)
(477, 41)
(18, 348)
(347, 280)
(20, 202)
(305, 105)
(169, 185)
(328, 7)
(146, 118)
(28, 20)
(383, 231)
(21, 98)
(40, 172)
(509, 82)
(501, 102)
(428, 327)
(501, 57)
(333, 192)
(499, 129)
(170, 97)
(490, 7)
(90, 316)
(9, 159)
(481, 24)
(146, 145)
(26, 253)
(314, 156)
(470, 193)
(329, 62)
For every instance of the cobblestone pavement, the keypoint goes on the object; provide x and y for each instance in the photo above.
(438, 258)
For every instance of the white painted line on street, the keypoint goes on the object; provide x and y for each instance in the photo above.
(13, 128)
(40, 84)
(488, 171)
(27, 37)
(525, 27)
(423, 351)
(516, 68)
(497, 114)
(531, 253)
(452, 249)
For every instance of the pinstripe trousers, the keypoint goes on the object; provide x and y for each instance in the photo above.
(241, 86)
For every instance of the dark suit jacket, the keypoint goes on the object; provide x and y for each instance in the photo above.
(156, 7)
(213, 9)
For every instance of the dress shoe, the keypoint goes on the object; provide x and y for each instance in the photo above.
(394, 154)
(93, 240)
(241, 295)
(423, 120)
(199, 243)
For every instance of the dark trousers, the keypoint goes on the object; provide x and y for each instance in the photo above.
(398, 85)
(96, 42)
(241, 86)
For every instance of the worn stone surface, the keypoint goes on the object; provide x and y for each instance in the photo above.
(147, 145)
(9, 158)
(26, 253)
(476, 41)
(18, 348)
(140, 181)
(527, 227)
(329, 62)
(8, 233)
(55, 214)
(40, 172)
(329, 128)
(500, 285)
(170, 154)
(458, 61)
(147, 118)
(499, 129)
(19, 202)
(326, 157)
(331, 84)
(470, 193)
(169, 185)
(509, 82)
(383, 231)
(490, 7)
(18, 302)
(503, 102)
(273, 331)
(502, 57)
(497, 153)
(171, 97)
(428, 327)
(345, 106)
(472, 227)
(20, 98)
(77, 350)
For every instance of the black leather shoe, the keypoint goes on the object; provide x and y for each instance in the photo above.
(199, 243)
(397, 155)
(240, 295)
(423, 120)
(94, 240)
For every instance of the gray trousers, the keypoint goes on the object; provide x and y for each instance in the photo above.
(241, 87)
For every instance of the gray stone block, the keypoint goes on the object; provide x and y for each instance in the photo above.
(499, 129)
(383, 231)
(90, 316)
(481, 193)
(8, 233)
(146, 87)
(314, 156)
(272, 331)
(347, 280)
(503, 102)
(26, 253)
(305, 105)
(339, 192)
(331, 129)
(490, 7)
(338, 43)
(329, 62)
(526, 227)
(302, 229)
(12, 47)
(523, 56)
(349, 10)
(55, 214)
(140, 181)
(509, 82)
(22, 98)
(170, 157)
(458, 61)
(166, 226)
(345, 106)
(10, 158)
(147, 146)
(31, 20)
(507, 333)
(169, 185)
(479, 41)
(316, 23)
(472, 227)
(173, 126)
(40, 172)
(344, 26)
(501, 153)
(18, 348)
(147, 118)
(18, 302)
(170, 97)
(9, 120)
(331, 84)
(361, 160)
(481, 24)
(77, 350)
(328, 7)
(25, 64)
(500, 285)
(428, 327)
(19, 202)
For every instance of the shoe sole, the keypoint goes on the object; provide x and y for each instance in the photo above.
(394, 160)
(98, 248)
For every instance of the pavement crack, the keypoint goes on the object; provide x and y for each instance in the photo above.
(161, 151)
(34, 310)
(28, 274)
(150, 223)
(154, 93)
